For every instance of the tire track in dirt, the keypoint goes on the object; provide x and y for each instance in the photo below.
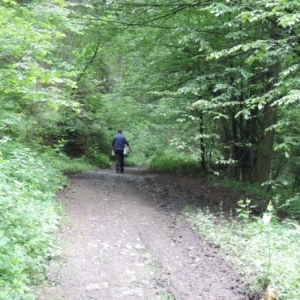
(118, 243)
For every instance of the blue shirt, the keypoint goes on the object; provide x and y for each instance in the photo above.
(119, 142)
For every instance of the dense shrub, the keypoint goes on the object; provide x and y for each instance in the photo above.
(29, 214)
(99, 159)
(173, 160)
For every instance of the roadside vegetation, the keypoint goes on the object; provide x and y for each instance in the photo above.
(265, 250)
(210, 87)
(29, 214)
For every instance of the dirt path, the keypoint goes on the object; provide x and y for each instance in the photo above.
(125, 238)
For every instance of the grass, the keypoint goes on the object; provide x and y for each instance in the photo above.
(238, 185)
(170, 160)
(72, 166)
(285, 199)
(265, 250)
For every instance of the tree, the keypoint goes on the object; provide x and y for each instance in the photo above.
(33, 79)
(246, 43)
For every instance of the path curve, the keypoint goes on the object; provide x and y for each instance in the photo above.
(119, 243)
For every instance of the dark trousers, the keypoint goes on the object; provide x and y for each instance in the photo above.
(119, 155)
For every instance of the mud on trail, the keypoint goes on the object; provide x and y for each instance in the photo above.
(126, 238)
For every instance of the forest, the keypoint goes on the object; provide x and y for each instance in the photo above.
(197, 86)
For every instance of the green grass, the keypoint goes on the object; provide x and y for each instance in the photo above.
(266, 251)
(172, 160)
(72, 166)
(285, 199)
(248, 188)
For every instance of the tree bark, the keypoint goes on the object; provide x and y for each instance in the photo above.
(265, 147)
(202, 142)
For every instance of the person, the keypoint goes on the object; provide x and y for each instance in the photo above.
(118, 144)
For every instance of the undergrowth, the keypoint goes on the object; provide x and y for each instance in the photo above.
(29, 214)
(172, 160)
(72, 165)
(245, 186)
(285, 198)
(265, 250)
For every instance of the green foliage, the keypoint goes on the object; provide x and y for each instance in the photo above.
(245, 208)
(100, 160)
(29, 39)
(29, 215)
(29, 212)
(136, 158)
(216, 59)
(36, 81)
(197, 78)
(246, 187)
(285, 198)
(69, 165)
(287, 204)
(272, 249)
(174, 160)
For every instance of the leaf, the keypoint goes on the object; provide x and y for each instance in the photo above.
(3, 241)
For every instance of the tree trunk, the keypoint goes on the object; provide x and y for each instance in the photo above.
(202, 144)
(265, 147)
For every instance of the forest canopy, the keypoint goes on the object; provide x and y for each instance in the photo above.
(197, 86)
(203, 86)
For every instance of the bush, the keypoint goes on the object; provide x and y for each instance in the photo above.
(69, 165)
(99, 159)
(172, 160)
(29, 214)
